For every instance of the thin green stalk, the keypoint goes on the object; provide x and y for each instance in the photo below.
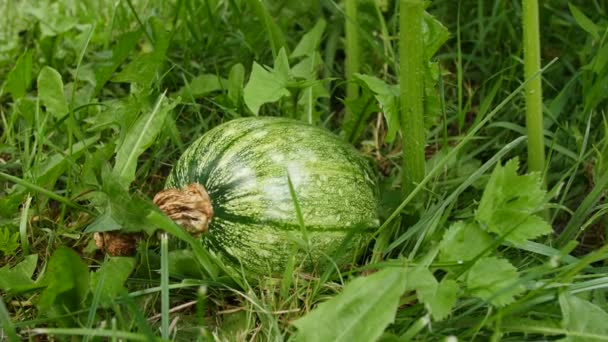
(411, 48)
(351, 63)
(534, 96)
(164, 285)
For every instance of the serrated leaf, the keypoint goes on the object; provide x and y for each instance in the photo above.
(518, 226)
(19, 78)
(388, 97)
(109, 279)
(463, 242)
(494, 280)
(68, 286)
(509, 202)
(443, 300)
(263, 87)
(582, 317)
(50, 92)
(138, 138)
(309, 43)
(360, 313)
(439, 298)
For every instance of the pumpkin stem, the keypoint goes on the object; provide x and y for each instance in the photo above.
(189, 206)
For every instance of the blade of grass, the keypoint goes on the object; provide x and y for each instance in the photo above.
(7, 325)
(573, 227)
(23, 221)
(129, 336)
(45, 192)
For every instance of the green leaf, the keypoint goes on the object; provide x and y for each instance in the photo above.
(442, 301)
(463, 242)
(19, 278)
(439, 298)
(68, 286)
(366, 306)
(50, 92)
(9, 242)
(388, 98)
(435, 34)
(235, 83)
(202, 85)
(139, 137)
(494, 280)
(263, 87)
(19, 78)
(582, 317)
(509, 202)
(584, 22)
(144, 67)
(112, 275)
(120, 51)
(277, 41)
(309, 43)
(362, 108)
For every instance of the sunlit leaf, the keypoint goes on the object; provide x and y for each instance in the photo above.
(494, 280)
(360, 313)
(50, 92)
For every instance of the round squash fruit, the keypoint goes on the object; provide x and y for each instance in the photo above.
(259, 189)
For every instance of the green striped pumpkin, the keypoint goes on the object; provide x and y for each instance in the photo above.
(246, 166)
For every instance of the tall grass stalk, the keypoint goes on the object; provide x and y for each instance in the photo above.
(534, 96)
(411, 78)
(352, 51)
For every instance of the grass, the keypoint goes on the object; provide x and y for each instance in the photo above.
(98, 99)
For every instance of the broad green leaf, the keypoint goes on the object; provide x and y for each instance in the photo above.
(68, 285)
(309, 43)
(509, 202)
(18, 278)
(139, 137)
(494, 280)
(388, 97)
(366, 306)
(50, 92)
(202, 85)
(582, 317)
(439, 298)
(584, 22)
(235, 83)
(435, 34)
(120, 51)
(440, 304)
(463, 242)
(19, 78)
(111, 275)
(263, 87)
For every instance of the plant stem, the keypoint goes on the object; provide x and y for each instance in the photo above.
(534, 96)
(351, 64)
(411, 56)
